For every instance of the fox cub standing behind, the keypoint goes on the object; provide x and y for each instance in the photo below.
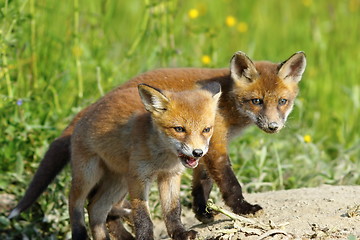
(118, 148)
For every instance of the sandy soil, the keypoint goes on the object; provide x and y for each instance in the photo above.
(327, 212)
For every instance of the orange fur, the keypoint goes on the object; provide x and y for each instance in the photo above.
(243, 85)
(119, 147)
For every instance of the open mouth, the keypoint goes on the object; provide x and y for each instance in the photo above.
(187, 161)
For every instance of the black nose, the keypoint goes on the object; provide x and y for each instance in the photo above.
(197, 153)
(273, 126)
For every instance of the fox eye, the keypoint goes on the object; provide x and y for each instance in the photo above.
(257, 101)
(179, 129)
(206, 130)
(282, 101)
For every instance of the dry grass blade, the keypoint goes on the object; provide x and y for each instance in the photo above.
(273, 232)
(249, 226)
(211, 206)
(354, 211)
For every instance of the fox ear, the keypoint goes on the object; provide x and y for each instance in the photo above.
(293, 68)
(153, 99)
(242, 69)
(214, 88)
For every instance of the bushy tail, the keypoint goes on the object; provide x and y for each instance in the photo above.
(55, 159)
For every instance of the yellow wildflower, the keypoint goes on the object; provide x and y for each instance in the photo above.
(76, 51)
(242, 27)
(354, 5)
(206, 59)
(307, 3)
(193, 13)
(307, 138)
(230, 21)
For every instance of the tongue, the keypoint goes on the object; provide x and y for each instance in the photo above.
(191, 161)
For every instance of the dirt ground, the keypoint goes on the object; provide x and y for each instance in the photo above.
(327, 212)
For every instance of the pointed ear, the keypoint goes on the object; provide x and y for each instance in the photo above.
(293, 68)
(214, 88)
(242, 69)
(153, 99)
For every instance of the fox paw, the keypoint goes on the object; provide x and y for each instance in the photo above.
(185, 235)
(246, 208)
(204, 217)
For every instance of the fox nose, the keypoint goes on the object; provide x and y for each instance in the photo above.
(197, 153)
(273, 126)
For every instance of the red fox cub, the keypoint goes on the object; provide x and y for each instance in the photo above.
(260, 93)
(118, 147)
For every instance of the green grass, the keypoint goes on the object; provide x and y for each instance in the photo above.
(57, 58)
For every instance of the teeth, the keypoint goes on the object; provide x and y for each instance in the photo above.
(187, 159)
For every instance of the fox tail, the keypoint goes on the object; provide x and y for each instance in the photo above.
(55, 159)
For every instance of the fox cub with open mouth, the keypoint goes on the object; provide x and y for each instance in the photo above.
(119, 148)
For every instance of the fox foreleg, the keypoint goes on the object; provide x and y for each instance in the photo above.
(139, 192)
(169, 190)
(202, 185)
(229, 186)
